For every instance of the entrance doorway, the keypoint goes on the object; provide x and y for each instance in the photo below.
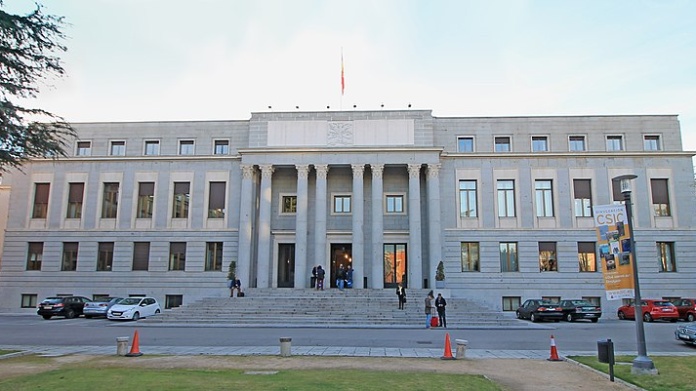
(341, 254)
(286, 265)
(395, 265)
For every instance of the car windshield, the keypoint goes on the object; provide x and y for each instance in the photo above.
(53, 300)
(582, 303)
(663, 304)
(130, 301)
(102, 299)
(545, 303)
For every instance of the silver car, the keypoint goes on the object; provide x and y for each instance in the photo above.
(99, 306)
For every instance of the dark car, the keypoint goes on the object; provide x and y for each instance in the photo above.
(580, 309)
(538, 309)
(99, 306)
(653, 309)
(686, 333)
(686, 308)
(68, 306)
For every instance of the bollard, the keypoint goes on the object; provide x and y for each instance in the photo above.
(285, 344)
(121, 346)
(461, 348)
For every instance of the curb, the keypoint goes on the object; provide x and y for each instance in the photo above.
(605, 375)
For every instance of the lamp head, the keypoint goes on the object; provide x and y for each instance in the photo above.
(625, 182)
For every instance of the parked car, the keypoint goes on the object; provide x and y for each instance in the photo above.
(538, 309)
(134, 308)
(686, 309)
(580, 309)
(67, 306)
(653, 309)
(99, 307)
(686, 333)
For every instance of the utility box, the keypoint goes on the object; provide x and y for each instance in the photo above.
(605, 351)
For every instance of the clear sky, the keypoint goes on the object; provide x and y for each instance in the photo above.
(137, 60)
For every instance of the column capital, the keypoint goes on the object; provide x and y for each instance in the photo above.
(247, 171)
(302, 170)
(322, 170)
(266, 170)
(434, 170)
(414, 170)
(377, 170)
(358, 170)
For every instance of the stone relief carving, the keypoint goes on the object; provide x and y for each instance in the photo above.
(340, 134)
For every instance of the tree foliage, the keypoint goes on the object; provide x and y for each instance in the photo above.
(28, 58)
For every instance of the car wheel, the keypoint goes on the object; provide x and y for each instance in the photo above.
(594, 320)
(157, 312)
(47, 317)
(621, 315)
(519, 316)
(647, 317)
(88, 316)
(689, 317)
(532, 317)
(569, 318)
(69, 314)
(674, 320)
(136, 316)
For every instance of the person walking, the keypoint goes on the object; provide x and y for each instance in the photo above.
(440, 304)
(401, 294)
(341, 277)
(428, 309)
(320, 278)
(313, 278)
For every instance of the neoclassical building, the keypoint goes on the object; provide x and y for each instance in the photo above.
(162, 208)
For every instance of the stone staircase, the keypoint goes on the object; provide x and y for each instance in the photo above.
(331, 308)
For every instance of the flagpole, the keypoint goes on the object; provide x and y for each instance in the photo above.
(343, 80)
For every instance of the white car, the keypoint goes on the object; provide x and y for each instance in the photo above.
(134, 308)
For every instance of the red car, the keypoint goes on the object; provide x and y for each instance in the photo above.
(653, 309)
(686, 308)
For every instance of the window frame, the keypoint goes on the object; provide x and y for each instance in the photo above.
(83, 148)
(548, 257)
(34, 256)
(502, 141)
(109, 209)
(173, 301)
(141, 256)
(42, 194)
(582, 197)
(666, 257)
(467, 196)
(584, 255)
(120, 149)
(470, 256)
(509, 264)
(217, 202)
(508, 196)
(76, 194)
(224, 145)
(543, 198)
(29, 300)
(146, 200)
(652, 142)
(105, 259)
(659, 195)
(395, 203)
(187, 147)
(511, 303)
(69, 256)
(575, 140)
(288, 203)
(346, 200)
(540, 143)
(612, 140)
(181, 199)
(465, 141)
(154, 151)
(213, 256)
(177, 256)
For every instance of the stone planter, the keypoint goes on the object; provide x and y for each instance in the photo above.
(439, 284)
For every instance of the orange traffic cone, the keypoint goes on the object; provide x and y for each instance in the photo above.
(135, 348)
(448, 349)
(554, 352)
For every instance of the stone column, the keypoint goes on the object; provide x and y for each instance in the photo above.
(322, 171)
(301, 227)
(358, 249)
(434, 224)
(246, 214)
(264, 228)
(377, 227)
(415, 259)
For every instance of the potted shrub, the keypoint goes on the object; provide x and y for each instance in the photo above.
(440, 275)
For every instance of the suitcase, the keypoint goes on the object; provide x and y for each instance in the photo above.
(433, 321)
(240, 294)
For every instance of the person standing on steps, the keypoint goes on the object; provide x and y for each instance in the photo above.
(320, 278)
(428, 309)
(401, 294)
(341, 277)
(440, 304)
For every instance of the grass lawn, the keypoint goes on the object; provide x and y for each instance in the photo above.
(111, 378)
(4, 352)
(675, 373)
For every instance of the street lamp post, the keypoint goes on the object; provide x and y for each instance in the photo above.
(642, 364)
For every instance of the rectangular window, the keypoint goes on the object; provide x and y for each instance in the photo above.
(34, 255)
(540, 144)
(582, 189)
(395, 203)
(665, 256)
(470, 256)
(576, 143)
(152, 147)
(467, 199)
(105, 261)
(508, 257)
(342, 204)
(84, 148)
(594, 300)
(660, 197)
(289, 204)
(110, 201)
(40, 210)
(29, 300)
(506, 198)
(186, 147)
(615, 143)
(502, 144)
(547, 257)
(141, 255)
(651, 143)
(553, 299)
(213, 256)
(511, 303)
(69, 260)
(465, 144)
(173, 301)
(616, 192)
(216, 200)
(75, 196)
(177, 256)
(544, 198)
(117, 148)
(587, 257)
(181, 200)
(222, 147)
(146, 200)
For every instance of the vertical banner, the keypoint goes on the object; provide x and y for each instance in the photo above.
(614, 241)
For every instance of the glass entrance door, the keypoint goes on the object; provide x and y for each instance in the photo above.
(395, 265)
(286, 265)
(341, 255)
